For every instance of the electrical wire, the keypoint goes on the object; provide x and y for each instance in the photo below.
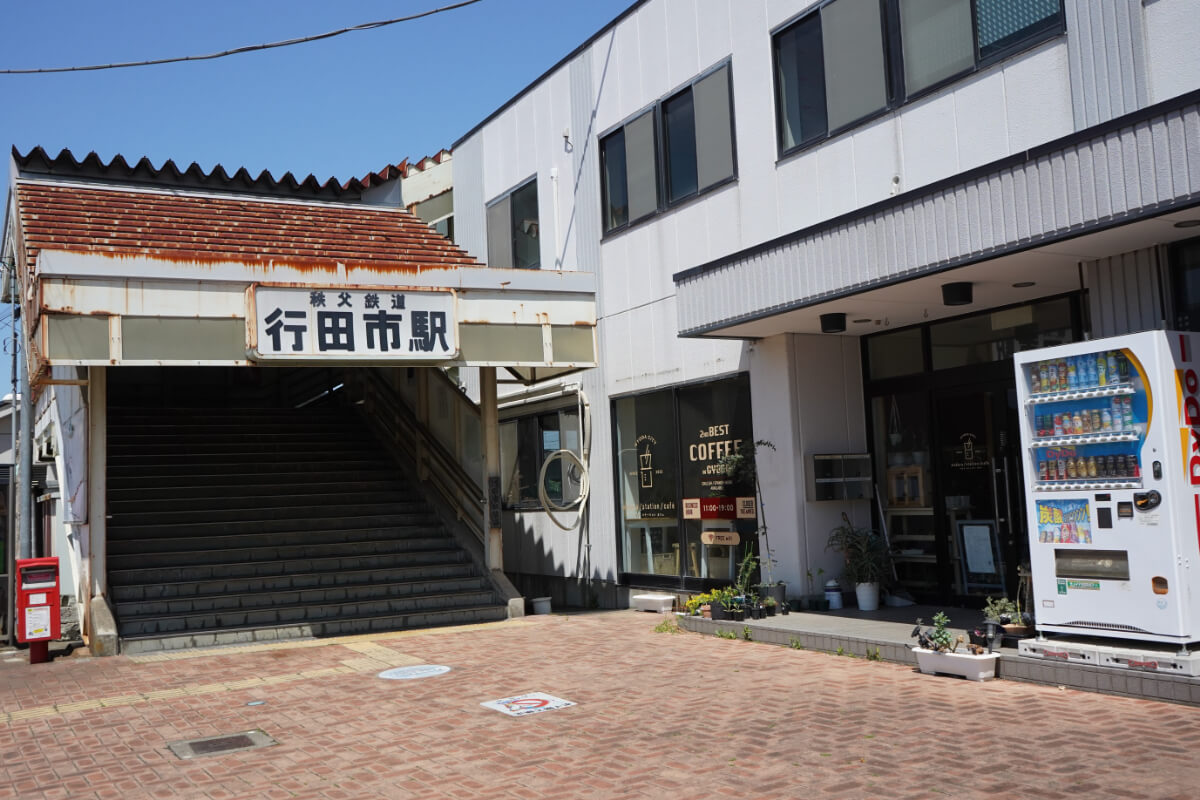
(239, 50)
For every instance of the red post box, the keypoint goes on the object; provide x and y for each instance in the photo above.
(38, 611)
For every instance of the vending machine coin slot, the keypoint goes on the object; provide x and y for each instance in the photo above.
(1124, 510)
(1157, 467)
(1103, 517)
(1144, 501)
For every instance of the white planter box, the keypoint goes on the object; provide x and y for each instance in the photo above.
(658, 603)
(971, 667)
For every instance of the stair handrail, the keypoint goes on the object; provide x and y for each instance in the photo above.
(432, 461)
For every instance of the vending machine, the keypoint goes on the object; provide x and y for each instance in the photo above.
(1111, 448)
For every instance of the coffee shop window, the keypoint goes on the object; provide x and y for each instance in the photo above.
(525, 444)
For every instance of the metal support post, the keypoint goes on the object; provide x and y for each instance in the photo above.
(490, 418)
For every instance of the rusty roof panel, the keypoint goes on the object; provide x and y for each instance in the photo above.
(200, 228)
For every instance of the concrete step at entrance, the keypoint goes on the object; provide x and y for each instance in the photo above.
(184, 544)
(297, 614)
(362, 547)
(133, 645)
(136, 576)
(416, 576)
(286, 524)
(420, 591)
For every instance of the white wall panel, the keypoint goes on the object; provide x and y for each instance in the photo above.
(981, 121)
(929, 142)
(1172, 57)
(1125, 293)
(681, 20)
(876, 161)
(655, 72)
(1038, 97)
(835, 177)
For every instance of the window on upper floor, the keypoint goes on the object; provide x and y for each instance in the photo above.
(850, 60)
(675, 150)
(512, 229)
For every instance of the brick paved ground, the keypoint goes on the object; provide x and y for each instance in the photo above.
(658, 716)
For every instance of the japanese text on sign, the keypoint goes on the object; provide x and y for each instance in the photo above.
(388, 325)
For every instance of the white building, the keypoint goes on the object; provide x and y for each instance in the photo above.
(829, 225)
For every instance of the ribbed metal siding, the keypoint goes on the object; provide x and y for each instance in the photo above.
(584, 183)
(470, 221)
(1106, 50)
(1125, 292)
(1130, 171)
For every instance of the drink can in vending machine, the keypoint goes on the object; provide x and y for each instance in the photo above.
(1101, 370)
(1035, 380)
(1044, 375)
(1043, 471)
(1058, 424)
(1091, 467)
(1110, 466)
(1114, 373)
(1052, 373)
(1072, 374)
(1062, 374)
(1123, 367)
(1071, 473)
(1062, 469)
(1127, 412)
(1097, 423)
(1135, 469)
(1105, 419)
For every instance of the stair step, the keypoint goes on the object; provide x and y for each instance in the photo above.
(276, 511)
(229, 483)
(201, 501)
(185, 544)
(293, 614)
(359, 547)
(133, 645)
(285, 525)
(236, 469)
(148, 574)
(424, 573)
(281, 598)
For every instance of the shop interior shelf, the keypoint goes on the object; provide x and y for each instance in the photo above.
(1087, 438)
(1082, 394)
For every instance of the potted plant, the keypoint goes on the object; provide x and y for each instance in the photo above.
(742, 468)
(866, 557)
(937, 651)
(722, 604)
(1009, 615)
(770, 604)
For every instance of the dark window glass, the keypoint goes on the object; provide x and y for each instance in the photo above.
(892, 354)
(679, 122)
(1184, 260)
(855, 75)
(714, 128)
(800, 83)
(641, 166)
(616, 194)
(445, 227)
(996, 335)
(1002, 24)
(525, 444)
(499, 234)
(526, 247)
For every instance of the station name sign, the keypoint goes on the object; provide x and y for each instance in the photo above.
(306, 323)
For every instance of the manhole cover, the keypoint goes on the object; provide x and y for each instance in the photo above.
(418, 671)
(219, 745)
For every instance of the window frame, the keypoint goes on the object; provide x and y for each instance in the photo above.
(656, 109)
(507, 197)
(893, 59)
(532, 417)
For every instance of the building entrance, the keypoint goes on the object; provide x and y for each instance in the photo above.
(944, 435)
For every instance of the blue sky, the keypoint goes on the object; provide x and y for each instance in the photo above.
(341, 107)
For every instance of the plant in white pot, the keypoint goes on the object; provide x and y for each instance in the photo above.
(937, 652)
(866, 557)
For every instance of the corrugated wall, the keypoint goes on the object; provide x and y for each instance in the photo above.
(1125, 293)
(1129, 171)
(1105, 45)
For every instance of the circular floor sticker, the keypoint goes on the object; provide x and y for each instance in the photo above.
(409, 673)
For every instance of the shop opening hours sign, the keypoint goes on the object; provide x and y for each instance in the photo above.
(303, 324)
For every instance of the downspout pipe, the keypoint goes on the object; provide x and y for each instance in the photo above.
(25, 449)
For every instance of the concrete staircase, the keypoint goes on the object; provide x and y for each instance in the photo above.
(243, 525)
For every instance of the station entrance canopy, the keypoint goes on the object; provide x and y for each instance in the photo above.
(138, 266)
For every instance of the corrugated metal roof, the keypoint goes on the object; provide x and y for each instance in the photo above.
(37, 161)
(131, 221)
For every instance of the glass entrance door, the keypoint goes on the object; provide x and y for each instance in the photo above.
(977, 533)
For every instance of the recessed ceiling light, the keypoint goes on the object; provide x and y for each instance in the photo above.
(1023, 284)
(861, 321)
(1188, 223)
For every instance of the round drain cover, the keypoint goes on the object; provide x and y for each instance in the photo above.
(409, 673)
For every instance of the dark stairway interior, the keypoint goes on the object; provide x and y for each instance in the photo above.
(237, 519)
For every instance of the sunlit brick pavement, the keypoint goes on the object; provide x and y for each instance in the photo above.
(659, 716)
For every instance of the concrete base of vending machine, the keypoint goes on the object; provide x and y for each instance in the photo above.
(1116, 655)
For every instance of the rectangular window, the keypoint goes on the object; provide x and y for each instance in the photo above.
(1007, 25)
(512, 229)
(936, 35)
(841, 64)
(695, 128)
(525, 445)
(855, 76)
